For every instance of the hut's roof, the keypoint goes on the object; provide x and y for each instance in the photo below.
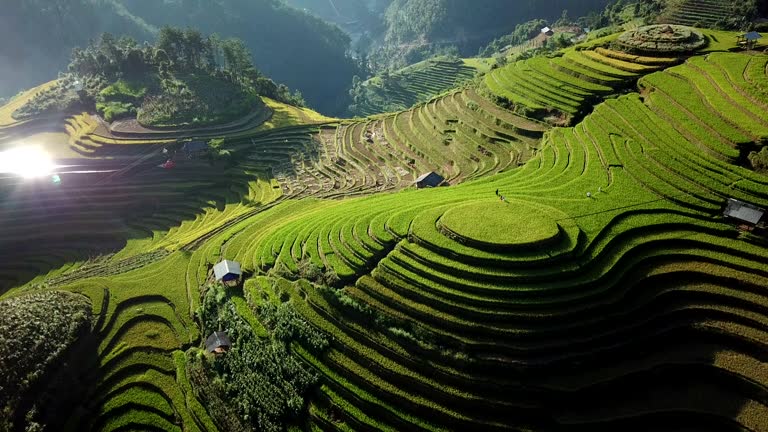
(743, 211)
(226, 267)
(216, 340)
(430, 174)
(195, 146)
(753, 35)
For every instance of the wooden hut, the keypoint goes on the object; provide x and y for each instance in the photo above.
(218, 343)
(430, 179)
(745, 214)
(227, 272)
(748, 40)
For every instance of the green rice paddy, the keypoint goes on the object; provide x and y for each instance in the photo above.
(608, 272)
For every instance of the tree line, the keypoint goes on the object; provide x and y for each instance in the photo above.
(177, 51)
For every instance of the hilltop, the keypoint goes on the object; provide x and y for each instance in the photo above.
(184, 81)
(40, 36)
(576, 270)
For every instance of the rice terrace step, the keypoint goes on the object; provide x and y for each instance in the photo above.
(594, 258)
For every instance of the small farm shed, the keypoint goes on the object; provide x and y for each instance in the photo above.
(194, 149)
(742, 212)
(227, 271)
(430, 179)
(218, 343)
(547, 31)
(748, 40)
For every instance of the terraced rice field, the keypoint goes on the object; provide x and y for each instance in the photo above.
(642, 284)
(460, 135)
(567, 87)
(414, 84)
(605, 292)
(698, 13)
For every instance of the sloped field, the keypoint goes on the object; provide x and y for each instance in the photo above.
(460, 135)
(94, 213)
(146, 315)
(641, 285)
(568, 86)
(699, 13)
(414, 84)
(594, 287)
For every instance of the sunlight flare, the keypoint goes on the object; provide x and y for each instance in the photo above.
(27, 162)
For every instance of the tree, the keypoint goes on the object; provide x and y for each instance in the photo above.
(564, 19)
(171, 41)
(237, 58)
(135, 63)
(216, 152)
(759, 160)
(195, 48)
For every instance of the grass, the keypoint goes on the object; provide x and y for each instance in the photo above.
(123, 89)
(18, 101)
(480, 64)
(414, 84)
(456, 310)
(501, 224)
(284, 115)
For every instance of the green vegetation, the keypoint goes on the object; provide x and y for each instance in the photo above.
(722, 14)
(759, 160)
(662, 39)
(175, 83)
(55, 99)
(419, 29)
(315, 44)
(606, 271)
(653, 194)
(406, 87)
(119, 100)
(506, 225)
(261, 381)
(38, 331)
(522, 33)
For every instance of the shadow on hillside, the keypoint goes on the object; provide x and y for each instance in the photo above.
(679, 366)
(60, 394)
(97, 209)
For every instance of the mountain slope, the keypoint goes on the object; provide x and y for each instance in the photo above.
(416, 27)
(288, 45)
(38, 36)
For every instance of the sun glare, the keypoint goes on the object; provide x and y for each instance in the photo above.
(27, 162)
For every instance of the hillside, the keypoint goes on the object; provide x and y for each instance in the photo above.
(417, 29)
(355, 17)
(29, 54)
(713, 13)
(413, 84)
(576, 272)
(40, 332)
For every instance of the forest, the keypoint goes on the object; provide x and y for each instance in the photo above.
(29, 56)
(184, 79)
(417, 29)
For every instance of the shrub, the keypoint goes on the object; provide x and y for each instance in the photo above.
(759, 160)
(261, 380)
(112, 111)
(36, 329)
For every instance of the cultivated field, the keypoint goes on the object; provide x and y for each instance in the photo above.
(569, 278)
(417, 83)
(700, 13)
